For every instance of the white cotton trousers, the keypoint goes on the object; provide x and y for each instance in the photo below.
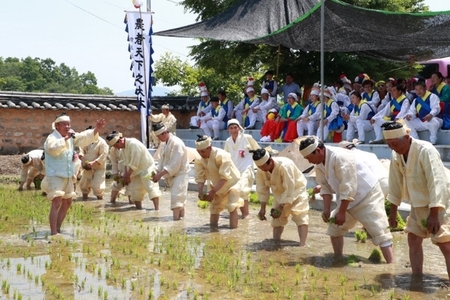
(417, 125)
(310, 127)
(215, 125)
(361, 126)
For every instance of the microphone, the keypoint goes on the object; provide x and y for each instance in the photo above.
(72, 135)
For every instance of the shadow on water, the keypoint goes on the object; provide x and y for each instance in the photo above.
(426, 283)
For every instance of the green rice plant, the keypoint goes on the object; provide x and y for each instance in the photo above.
(375, 256)
(361, 236)
(203, 204)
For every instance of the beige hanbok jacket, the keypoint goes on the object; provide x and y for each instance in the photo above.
(286, 181)
(97, 152)
(218, 166)
(170, 121)
(174, 157)
(344, 175)
(137, 158)
(244, 142)
(422, 180)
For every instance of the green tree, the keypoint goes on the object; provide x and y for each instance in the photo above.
(246, 59)
(172, 71)
(43, 75)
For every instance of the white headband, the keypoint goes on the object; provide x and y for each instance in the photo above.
(262, 160)
(160, 131)
(203, 144)
(310, 149)
(115, 139)
(60, 119)
(394, 133)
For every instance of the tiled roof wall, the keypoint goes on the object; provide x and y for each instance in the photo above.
(89, 102)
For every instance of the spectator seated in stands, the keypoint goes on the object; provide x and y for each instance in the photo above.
(260, 111)
(394, 110)
(358, 119)
(309, 119)
(244, 110)
(284, 126)
(226, 104)
(333, 120)
(422, 114)
(370, 94)
(204, 107)
(214, 119)
(442, 90)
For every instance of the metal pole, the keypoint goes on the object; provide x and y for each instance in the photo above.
(278, 61)
(322, 67)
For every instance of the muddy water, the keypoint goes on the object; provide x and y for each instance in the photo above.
(117, 252)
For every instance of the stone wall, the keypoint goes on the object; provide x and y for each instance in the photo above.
(22, 130)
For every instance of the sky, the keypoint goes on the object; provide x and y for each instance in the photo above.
(89, 35)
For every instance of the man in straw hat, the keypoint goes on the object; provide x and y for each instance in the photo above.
(173, 166)
(60, 169)
(32, 166)
(139, 169)
(239, 145)
(288, 185)
(358, 195)
(418, 176)
(216, 167)
(166, 118)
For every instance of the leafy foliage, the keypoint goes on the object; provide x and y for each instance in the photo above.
(43, 75)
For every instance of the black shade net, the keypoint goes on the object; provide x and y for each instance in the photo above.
(296, 24)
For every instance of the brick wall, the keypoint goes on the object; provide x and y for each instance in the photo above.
(22, 130)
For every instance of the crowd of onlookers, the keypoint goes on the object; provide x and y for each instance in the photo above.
(290, 111)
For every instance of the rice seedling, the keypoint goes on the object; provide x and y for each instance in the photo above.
(375, 256)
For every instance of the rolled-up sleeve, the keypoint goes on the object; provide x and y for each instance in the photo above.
(345, 170)
(262, 188)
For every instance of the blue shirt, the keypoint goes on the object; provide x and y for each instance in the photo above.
(291, 88)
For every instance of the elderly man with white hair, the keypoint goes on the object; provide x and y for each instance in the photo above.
(32, 166)
(244, 110)
(59, 158)
(260, 111)
(309, 119)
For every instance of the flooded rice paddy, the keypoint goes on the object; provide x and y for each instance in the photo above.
(117, 252)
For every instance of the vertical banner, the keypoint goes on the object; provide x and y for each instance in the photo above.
(139, 28)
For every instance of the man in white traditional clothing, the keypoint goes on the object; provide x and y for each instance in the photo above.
(239, 145)
(418, 176)
(32, 166)
(139, 169)
(260, 111)
(117, 172)
(244, 110)
(93, 160)
(358, 195)
(173, 166)
(59, 163)
(422, 114)
(204, 107)
(288, 185)
(214, 119)
(310, 117)
(224, 189)
(167, 119)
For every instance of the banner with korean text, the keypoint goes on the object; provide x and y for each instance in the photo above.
(139, 28)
